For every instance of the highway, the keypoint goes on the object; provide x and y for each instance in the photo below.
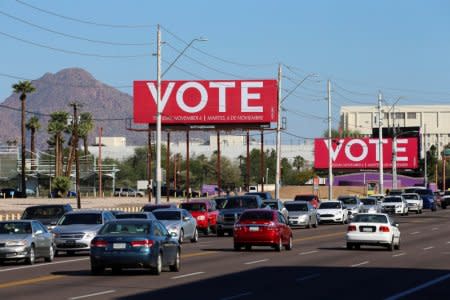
(318, 267)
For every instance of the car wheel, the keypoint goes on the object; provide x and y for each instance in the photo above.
(176, 264)
(433, 208)
(349, 246)
(30, 260)
(220, 232)
(237, 247)
(56, 253)
(195, 237)
(156, 270)
(116, 270)
(248, 247)
(417, 212)
(391, 245)
(309, 224)
(444, 206)
(97, 269)
(289, 244)
(279, 246)
(51, 254)
(397, 246)
(407, 213)
(181, 238)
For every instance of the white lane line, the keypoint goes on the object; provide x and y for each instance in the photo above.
(256, 261)
(415, 232)
(188, 275)
(448, 242)
(237, 296)
(428, 248)
(92, 295)
(419, 287)
(307, 277)
(400, 254)
(435, 228)
(45, 264)
(308, 252)
(360, 264)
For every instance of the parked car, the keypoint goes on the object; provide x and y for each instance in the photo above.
(46, 214)
(152, 207)
(179, 223)
(262, 227)
(374, 230)
(25, 240)
(332, 211)
(76, 229)
(394, 205)
(313, 199)
(370, 205)
(263, 195)
(233, 209)
(301, 213)
(415, 202)
(134, 243)
(276, 205)
(136, 215)
(11, 193)
(445, 200)
(352, 204)
(128, 192)
(205, 212)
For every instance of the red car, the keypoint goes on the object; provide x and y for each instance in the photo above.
(313, 199)
(204, 212)
(262, 227)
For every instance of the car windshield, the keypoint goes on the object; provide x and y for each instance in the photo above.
(88, 218)
(193, 206)
(327, 205)
(296, 207)
(153, 207)
(424, 192)
(239, 202)
(257, 215)
(262, 195)
(15, 228)
(220, 202)
(304, 197)
(167, 215)
(125, 228)
(349, 200)
(369, 201)
(271, 204)
(392, 199)
(48, 212)
(131, 216)
(410, 197)
(399, 192)
(369, 219)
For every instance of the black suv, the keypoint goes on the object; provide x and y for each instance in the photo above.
(46, 214)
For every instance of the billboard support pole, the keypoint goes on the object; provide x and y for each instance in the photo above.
(261, 162)
(158, 119)
(278, 138)
(380, 146)
(219, 179)
(330, 160)
(425, 171)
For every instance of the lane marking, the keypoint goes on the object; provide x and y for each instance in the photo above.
(93, 295)
(188, 275)
(435, 228)
(44, 265)
(307, 277)
(308, 252)
(415, 232)
(419, 287)
(256, 261)
(360, 264)
(316, 237)
(29, 281)
(198, 254)
(428, 248)
(448, 242)
(237, 296)
(400, 254)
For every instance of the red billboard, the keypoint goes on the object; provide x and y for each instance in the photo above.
(352, 153)
(207, 101)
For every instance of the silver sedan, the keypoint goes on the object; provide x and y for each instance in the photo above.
(179, 222)
(301, 213)
(25, 240)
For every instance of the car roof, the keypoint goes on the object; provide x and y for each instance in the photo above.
(197, 201)
(18, 221)
(86, 211)
(169, 209)
(259, 209)
(132, 221)
(48, 205)
(296, 202)
(331, 201)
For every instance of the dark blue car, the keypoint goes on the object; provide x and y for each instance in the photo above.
(427, 196)
(134, 243)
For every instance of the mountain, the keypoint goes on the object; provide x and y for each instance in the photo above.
(55, 92)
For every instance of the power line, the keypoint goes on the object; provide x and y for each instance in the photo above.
(74, 36)
(82, 21)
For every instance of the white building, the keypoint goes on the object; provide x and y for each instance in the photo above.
(433, 121)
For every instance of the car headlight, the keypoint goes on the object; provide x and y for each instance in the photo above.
(303, 217)
(16, 243)
(90, 235)
(398, 206)
(173, 228)
(201, 218)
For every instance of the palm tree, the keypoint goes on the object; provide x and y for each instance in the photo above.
(56, 126)
(23, 88)
(85, 127)
(299, 162)
(33, 125)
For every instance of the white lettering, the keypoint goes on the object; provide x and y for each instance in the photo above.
(245, 96)
(377, 149)
(334, 152)
(152, 88)
(401, 150)
(349, 153)
(203, 97)
(222, 93)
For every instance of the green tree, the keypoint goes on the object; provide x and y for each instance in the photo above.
(335, 133)
(57, 125)
(85, 127)
(23, 88)
(299, 162)
(33, 125)
(61, 184)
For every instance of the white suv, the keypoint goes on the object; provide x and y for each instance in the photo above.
(128, 192)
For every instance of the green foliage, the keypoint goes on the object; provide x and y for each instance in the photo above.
(23, 88)
(33, 124)
(58, 122)
(61, 185)
(345, 133)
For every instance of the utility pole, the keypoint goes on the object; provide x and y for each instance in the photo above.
(219, 171)
(425, 171)
(278, 138)
(158, 118)
(380, 145)
(168, 167)
(394, 152)
(330, 145)
(149, 164)
(77, 160)
(100, 173)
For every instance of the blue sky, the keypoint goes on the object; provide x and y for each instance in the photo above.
(399, 47)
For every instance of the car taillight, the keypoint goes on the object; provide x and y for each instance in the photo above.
(239, 227)
(142, 243)
(384, 229)
(99, 243)
(351, 228)
(272, 226)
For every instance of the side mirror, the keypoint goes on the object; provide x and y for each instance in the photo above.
(396, 224)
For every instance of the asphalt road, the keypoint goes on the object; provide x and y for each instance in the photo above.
(318, 267)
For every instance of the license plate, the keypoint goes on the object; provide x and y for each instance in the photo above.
(119, 246)
(367, 229)
(253, 228)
